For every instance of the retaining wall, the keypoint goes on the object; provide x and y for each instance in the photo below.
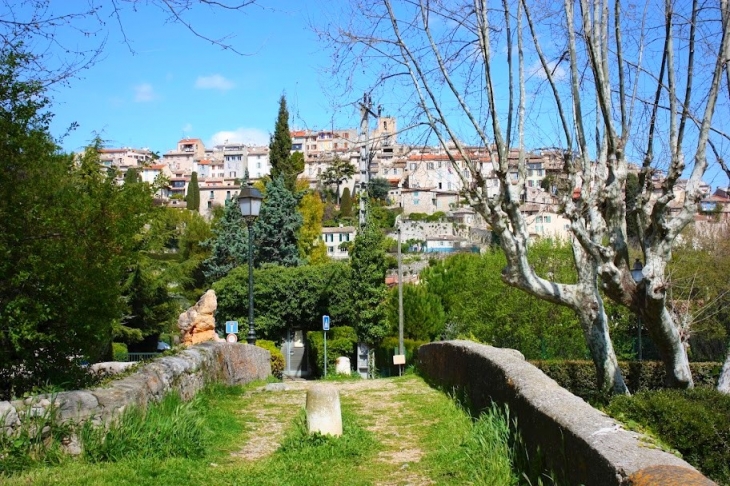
(579, 443)
(185, 373)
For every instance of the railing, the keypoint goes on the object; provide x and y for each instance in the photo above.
(141, 356)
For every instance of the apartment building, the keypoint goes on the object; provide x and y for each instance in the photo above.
(183, 157)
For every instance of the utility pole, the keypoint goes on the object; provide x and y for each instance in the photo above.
(401, 350)
(365, 112)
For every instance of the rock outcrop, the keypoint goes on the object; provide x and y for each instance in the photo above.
(197, 324)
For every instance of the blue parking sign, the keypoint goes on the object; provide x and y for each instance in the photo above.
(231, 327)
(326, 323)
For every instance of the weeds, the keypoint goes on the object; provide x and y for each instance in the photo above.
(171, 428)
(37, 441)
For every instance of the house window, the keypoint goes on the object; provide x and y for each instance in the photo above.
(466, 173)
(413, 166)
(211, 195)
(439, 185)
(228, 195)
(330, 249)
(415, 202)
(258, 165)
(538, 219)
(429, 165)
(547, 219)
(385, 171)
(531, 183)
(210, 204)
(434, 202)
(340, 237)
(415, 194)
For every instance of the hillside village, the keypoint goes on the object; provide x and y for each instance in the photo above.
(422, 180)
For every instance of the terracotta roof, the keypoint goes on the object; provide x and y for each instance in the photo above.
(155, 167)
(190, 140)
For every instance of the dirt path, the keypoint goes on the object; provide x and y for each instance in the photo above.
(380, 409)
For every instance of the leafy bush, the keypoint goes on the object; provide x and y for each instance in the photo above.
(579, 376)
(341, 341)
(388, 347)
(694, 422)
(119, 351)
(277, 359)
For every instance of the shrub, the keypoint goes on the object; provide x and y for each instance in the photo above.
(341, 341)
(389, 347)
(579, 376)
(119, 351)
(277, 359)
(694, 422)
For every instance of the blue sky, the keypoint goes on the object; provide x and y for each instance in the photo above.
(169, 84)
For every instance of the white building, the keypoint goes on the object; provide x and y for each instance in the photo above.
(333, 239)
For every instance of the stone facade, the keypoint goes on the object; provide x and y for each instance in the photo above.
(580, 444)
(185, 373)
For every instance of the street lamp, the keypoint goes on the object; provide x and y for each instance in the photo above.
(637, 273)
(249, 202)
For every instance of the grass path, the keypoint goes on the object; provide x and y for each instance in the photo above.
(398, 431)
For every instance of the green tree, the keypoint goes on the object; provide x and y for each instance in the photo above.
(193, 196)
(229, 245)
(68, 237)
(277, 227)
(424, 318)
(346, 203)
(378, 189)
(132, 176)
(311, 247)
(283, 162)
(337, 172)
(367, 285)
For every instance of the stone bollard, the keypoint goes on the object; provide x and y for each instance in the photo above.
(323, 410)
(342, 365)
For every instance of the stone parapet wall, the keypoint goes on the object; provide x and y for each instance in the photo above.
(579, 443)
(185, 373)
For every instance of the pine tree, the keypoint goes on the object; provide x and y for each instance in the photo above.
(193, 197)
(277, 227)
(229, 245)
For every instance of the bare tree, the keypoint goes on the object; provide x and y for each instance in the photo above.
(590, 76)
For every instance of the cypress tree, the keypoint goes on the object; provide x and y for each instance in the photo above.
(346, 203)
(193, 197)
(280, 144)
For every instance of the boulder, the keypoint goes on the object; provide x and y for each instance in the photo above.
(197, 324)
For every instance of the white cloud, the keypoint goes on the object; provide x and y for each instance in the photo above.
(144, 93)
(248, 136)
(214, 81)
(558, 71)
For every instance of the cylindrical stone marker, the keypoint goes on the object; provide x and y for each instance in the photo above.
(342, 365)
(323, 410)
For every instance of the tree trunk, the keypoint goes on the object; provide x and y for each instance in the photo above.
(338, 194)
(723, 383)
(594, 322)
(665, 334)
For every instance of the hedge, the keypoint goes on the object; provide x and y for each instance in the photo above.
(579, 376)
(389, 347)
(341, 341)
(694, 422)
(277, 359)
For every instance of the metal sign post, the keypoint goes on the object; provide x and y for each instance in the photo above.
(325, 328)
(231, 331)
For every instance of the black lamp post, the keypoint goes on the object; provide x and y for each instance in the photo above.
(637, 273)
(249, 202)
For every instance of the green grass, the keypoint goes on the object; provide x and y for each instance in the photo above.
(192, 443)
